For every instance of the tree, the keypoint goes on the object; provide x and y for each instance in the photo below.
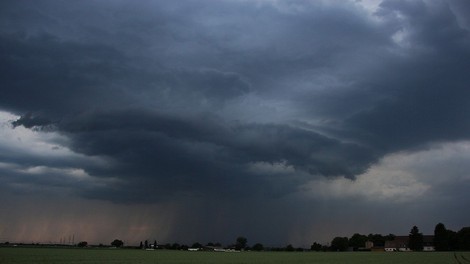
(241, 243)
(415, 239)
(176, 246)
(377, 239)
(452, 235)
(155, 244)
(197, 245)
(339, 244)
(184, 247)
(389, 237)
(441, 238)
(290, 248)
(146, 244)
(258, 247)
(117, 243)
(357, 241)
(82, 244)
(316, 247)
(463, 239)
(141, 246)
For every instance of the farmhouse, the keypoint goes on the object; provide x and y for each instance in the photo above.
(428, 243)
(400, 243)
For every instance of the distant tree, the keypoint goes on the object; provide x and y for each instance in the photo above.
(377, 239)
(184, 247)
(316, 247)
(117, 243)
(141, 246)
(176, 246)
(357, 241)
(290, 248)
(441, 238)
(241, 243)
(146, 244)
(197, 245)
(155, 244)
(452, 235)
(339, 244)
(258, 247)
(210, 244)
(389, 237)
(82, 244)
(217, 244)
(415, 239)
(463, 239)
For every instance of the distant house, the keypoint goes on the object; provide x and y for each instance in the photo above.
(213, 248)
(400, 243)
(369, 246)
(428, 243)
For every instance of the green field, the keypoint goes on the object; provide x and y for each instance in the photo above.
(114, 256)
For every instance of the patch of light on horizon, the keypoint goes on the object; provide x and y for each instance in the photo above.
(401, 176)
(38, 147)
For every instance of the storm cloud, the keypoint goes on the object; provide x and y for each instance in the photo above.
(291, 108)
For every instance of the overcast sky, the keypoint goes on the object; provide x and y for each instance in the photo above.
(281, 121)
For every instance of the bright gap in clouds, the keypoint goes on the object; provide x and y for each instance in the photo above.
(30, 159)
(370, 5)
(404, 176)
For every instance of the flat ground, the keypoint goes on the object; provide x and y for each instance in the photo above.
(114, 256)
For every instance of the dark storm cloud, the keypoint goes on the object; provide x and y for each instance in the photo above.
(30, 121)
(44, 74)
(171, 153)
(222, 57)
(46, 71)
(429, 98)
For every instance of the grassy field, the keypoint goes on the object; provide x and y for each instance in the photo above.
(121, 256)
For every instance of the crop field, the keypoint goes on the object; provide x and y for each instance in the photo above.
(121, 256)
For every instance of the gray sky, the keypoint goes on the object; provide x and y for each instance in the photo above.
(282, 121)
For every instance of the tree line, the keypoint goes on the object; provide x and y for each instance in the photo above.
(447, 240)
(444, 240)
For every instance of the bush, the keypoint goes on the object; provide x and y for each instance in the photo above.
(82, 244)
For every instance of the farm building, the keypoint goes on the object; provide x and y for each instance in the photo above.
(400, 243)
(428, 243)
